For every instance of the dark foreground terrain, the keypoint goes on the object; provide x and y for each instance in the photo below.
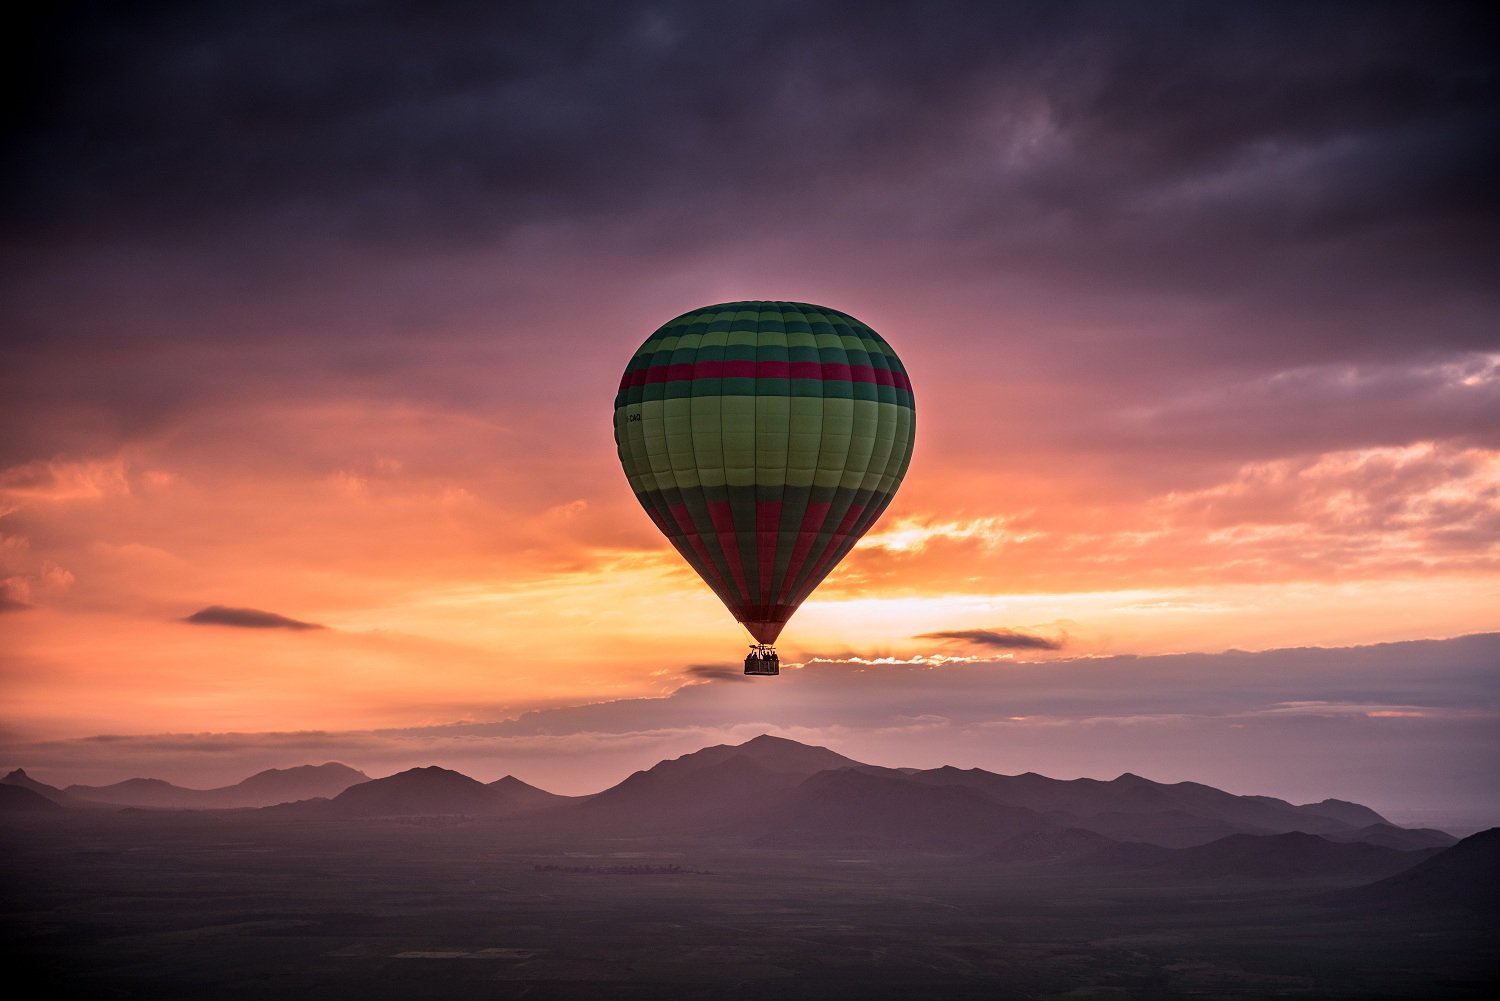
(237, 905)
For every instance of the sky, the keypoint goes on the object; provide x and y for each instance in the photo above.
(315, 314)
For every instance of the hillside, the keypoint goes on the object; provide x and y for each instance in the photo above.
(1462, 877)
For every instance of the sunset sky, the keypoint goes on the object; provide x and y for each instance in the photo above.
(318, 310)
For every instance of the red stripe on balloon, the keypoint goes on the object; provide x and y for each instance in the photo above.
(688, 532)
(720, 513)
(807, 534)
(767, 524)
(834, 550)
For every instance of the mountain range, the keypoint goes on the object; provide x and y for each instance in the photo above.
(774, 791)
(267, 788)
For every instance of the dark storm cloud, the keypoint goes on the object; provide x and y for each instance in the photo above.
(995, 639)
(1287, 121)
(246, 618)
(1316, 174)
(714, 672)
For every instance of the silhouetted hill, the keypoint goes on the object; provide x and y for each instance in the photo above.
(267, 788)
(719, 786)
(517, 796)
(1132, 808)
(19, 778)
(283, 785)
(852, 806)
(19, 799)
(1292, 855)
(157, 793)
(429, 791)
(774, 754)
(677, 798)
(1343, 811)
(1464, 876)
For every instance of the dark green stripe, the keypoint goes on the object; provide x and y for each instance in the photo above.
(827, 389)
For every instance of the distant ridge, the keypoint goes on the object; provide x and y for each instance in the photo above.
(434, 791)
(267, 788)
(1132, 808)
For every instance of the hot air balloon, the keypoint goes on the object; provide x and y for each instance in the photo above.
(763, 439)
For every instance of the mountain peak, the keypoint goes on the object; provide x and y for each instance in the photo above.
(770, 740)
(786, 755)
(428, 790)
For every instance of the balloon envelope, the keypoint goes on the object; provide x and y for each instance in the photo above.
(763, 439)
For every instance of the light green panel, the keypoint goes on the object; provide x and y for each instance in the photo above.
(833, 446)
(805, 435)
(865, 420)
(737, 434)
(770, 339)
(801, 339)
(679, 437)
(708, 450)
(880, 457)
(772, 418)
(901, 450)
(686, 479)
(636, 445)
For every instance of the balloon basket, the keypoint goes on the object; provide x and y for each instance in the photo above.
(762, 660)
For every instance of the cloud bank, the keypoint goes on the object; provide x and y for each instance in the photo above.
(246, 618)
(997, 639)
